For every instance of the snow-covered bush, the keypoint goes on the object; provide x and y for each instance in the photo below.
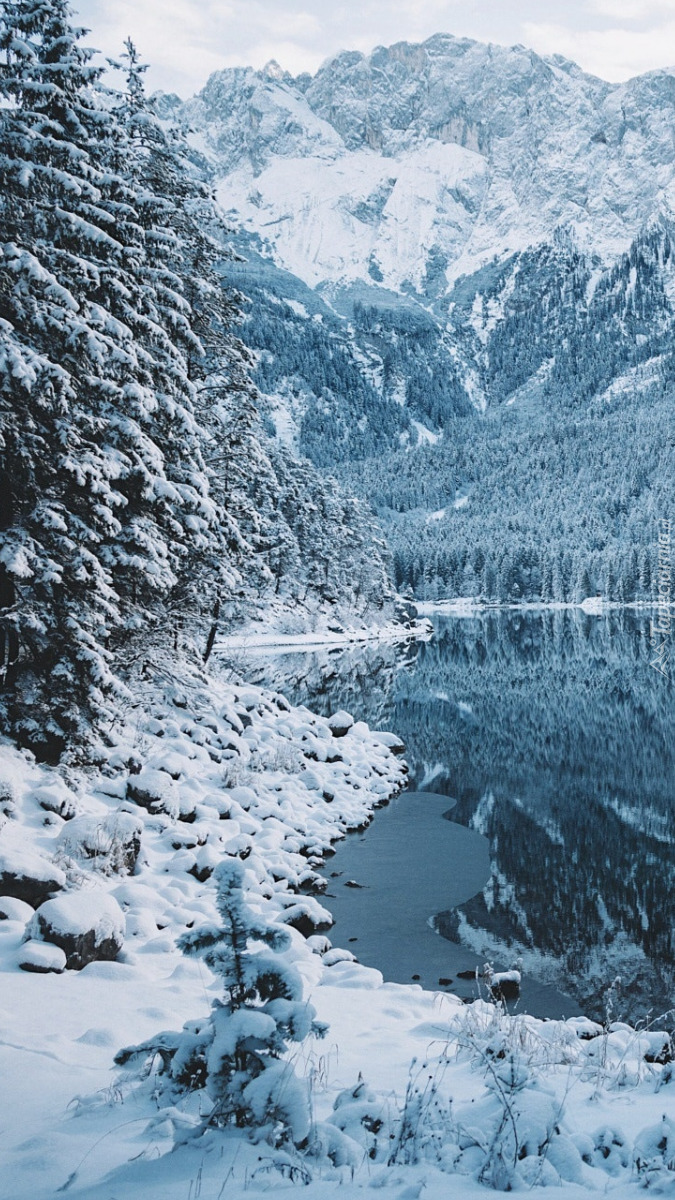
(8, 798)
(654, 1155)
(235, 1055)
(508, 1134)
(514, 1135)
(112, 842)
(425, 1125)
(365, 1120)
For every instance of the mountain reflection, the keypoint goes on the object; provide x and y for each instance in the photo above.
(557, 740)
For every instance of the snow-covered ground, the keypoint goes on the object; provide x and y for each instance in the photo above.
(453, 1098)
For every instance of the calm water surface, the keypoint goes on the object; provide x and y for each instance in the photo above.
(550, 736)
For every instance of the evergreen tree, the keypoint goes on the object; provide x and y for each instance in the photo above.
(188, 253)
(236, 1055)
(101, 452)
(57, 474)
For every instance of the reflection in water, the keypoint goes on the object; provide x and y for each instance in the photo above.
(557, 741)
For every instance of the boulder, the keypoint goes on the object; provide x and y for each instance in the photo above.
(340, 723)
(28, 876)
(57, 798)
(391, 740)
(505, 985)
(308, 917)
(12, 909)
(154, 790)
(333, 956)
(169, 761)
(42, 958)
(86, 925)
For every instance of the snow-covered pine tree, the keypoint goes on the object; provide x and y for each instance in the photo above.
(57, 474)
(236, 1054)
(107, 496)
(280, 523)
(186, 249)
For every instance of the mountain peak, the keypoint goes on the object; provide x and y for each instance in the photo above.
(272, 70)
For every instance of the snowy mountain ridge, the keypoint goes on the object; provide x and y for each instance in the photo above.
(420, 163)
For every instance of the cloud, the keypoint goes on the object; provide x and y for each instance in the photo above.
(614, 54)
(185, 40)
(632, 10)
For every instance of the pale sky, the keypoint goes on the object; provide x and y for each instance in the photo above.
(185, 40)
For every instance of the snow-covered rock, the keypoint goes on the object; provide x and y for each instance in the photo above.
(42, 957)
(392, 741)
(56, 797)
(156, 791)
(86, 925)
(340, 723)
(12, 909)
(505, 985)
(29, 876)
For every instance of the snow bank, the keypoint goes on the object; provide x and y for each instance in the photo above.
(209, 770)
(261, 637)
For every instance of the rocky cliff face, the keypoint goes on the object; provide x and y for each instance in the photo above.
(420, 163)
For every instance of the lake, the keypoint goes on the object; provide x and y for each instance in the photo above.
(550, 742)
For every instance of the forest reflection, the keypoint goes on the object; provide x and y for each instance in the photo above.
(557, 741)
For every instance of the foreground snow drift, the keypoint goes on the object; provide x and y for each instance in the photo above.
(407, 1088)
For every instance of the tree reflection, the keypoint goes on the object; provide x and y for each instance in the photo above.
(557, 741)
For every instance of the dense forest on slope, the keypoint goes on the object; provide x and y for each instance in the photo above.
(557, 507)
(557, 492)
(551, 484)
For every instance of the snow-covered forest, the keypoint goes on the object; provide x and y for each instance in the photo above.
(532, 498)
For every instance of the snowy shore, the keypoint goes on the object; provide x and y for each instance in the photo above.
(468, 606)
(278, 628)
(254, 638)
(455, 1098)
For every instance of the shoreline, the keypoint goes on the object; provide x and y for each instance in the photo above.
(245, 773)
(467, 607)
(318, 639)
